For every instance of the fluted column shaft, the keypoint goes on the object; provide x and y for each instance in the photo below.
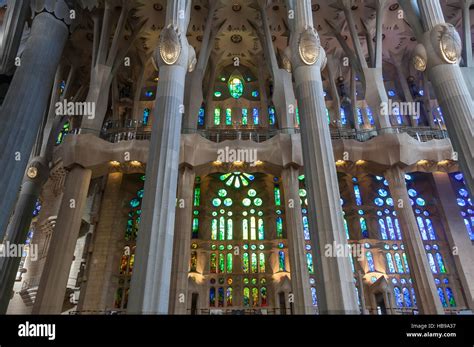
(52, 286)
(423, 282)
(296, 244)
(23, 106)
(182, 242)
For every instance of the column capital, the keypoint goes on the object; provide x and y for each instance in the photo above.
(62, 10)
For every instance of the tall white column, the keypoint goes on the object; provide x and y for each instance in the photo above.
(182, 242)
(303, 303)
(427, 298)
(150, 287)
(334, 280)
(52, 286)
(21, 106)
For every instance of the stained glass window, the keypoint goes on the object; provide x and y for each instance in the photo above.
(281, 261)
(271, 115)
(343, 117)
(220, 297)
(398, 261)
(237, 179)
(383, 230)
(201, 116)
(406, 295)
(245, 262)
(439, 259)
(221, 263)
(370, 261)
(357, 195)
(452, 301)
(277, 194)
(229, 296)
(263, 294)
(391, 267)
(193, 261)
(442, 298)
(261, 230)
(212, 296)
(246, 297)
(464, 202)
(245, 229)
(236, 87)
(279, 228)
(228, 116)
(197, 195)
(221, 229)
(432, 263)
(229, 263)
(306, 228)
(255, 115)
(398, 296)
(195, 228)
(261, 261)
(245, 118)
(255, 296)
(214, 229)
(309, 261)
(213, 263)
(217, 116)
(253, 264)
(64, 131)
(363, 227)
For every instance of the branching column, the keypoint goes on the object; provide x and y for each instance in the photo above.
(150, 287)
(427, 298)
(335, 283)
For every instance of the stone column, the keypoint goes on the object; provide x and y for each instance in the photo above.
(150, 287)
(182, 242)
(456, 235)
(18, 227)
(22, 106)
(448, 82)
(296, 244)
(101, 264)
(52, 286)
(426, 294)
(334, 280)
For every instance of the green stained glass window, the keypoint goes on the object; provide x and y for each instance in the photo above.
(229, 263)
(301, 177)
(217, 94)
(245, 116)
(230, 234)
(279, 228)
(197, 196)
(228, 202)
(229, 296)
(441, 266)
(297, 116)
(228, 116)
(134, 203)
(221, 229)
(253, 232)
(346, 228)
(245, 229)
(216, 202)
(252, 192)
(245, 262)
(257, 202)
(246, 297)
(309, 260)
(195, 228)
(281, 260)
(236, 87)
(221, 263)
(277, 194)
(246, 202)
(217, 116)
(303, 193)
(253, 264)
(237, 179)
(213, 263)
(255, 115)
(222, 193)
(261, 262)
(214, 229)
(261, 230)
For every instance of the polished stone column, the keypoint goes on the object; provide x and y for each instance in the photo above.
(450, 87)
(182, 242)
(25, 103)
(303, 303)
(52, 286)
(426, 294)
(334, 280)
(18, 228)
(456, 234)
(150, 287)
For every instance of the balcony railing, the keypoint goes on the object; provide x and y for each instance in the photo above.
(134, 130)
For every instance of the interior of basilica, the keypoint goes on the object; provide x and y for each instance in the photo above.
(237, 157)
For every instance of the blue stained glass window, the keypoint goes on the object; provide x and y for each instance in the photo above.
(346, 228)
(271, 115)
(245, 119)
(398, 261)
(370, 116)
(404, 256)
(363, 227)
(431, 231)
(360, 119)
(228, 116)
(421, 226)
(383, 230)
(379, 202)
(397, 229)
(343, 117)
(370, 261)
(309, 260)
(442, 298)
(255, 116)
(236, 87)
(146, 115)
(314, 297)
(432, 263)
(452, 301)
(420, 202)
(201, 116)
(439, 259)
(357, 195)
(406, 296)
(306, 228)
(391, 268)
(398, 296)
(391, 230)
